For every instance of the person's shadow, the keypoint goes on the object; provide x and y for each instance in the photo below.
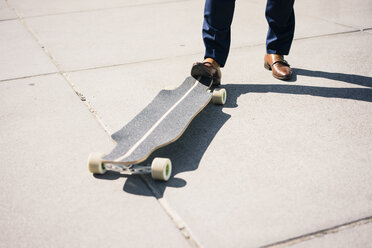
(188, 150)
(342, 77)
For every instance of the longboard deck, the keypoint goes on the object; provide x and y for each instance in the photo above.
(162, 122)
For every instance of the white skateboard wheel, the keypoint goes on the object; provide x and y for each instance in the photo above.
(161, 169)
(95, 163)
(219, 96)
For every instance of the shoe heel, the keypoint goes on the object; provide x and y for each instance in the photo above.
(216, 81)
(267, 66)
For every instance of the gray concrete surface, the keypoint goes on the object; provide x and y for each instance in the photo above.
(282, 164)
(358, 236)
(48, 199)
(5, 12)
(21, 56)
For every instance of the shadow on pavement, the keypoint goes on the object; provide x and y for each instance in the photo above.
(359, 94)
(343, 77)
(188, 150)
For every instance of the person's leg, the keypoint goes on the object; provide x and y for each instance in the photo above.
(281, 19)
(218, 15)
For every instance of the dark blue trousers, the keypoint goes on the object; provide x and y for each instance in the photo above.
(218, 16)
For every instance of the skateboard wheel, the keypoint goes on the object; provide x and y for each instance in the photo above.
(95, 163)
(161, 169)
(219, 96)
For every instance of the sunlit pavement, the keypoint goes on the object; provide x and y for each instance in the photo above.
(280, 164)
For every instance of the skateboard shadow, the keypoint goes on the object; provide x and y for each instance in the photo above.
(185, 154)
(187, 151)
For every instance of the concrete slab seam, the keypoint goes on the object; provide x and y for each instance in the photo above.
(367, 29)
(330, 34)
(320, 233)
(61, 71)
(301, 38)
(10, 19)
(104, 9)
(329, 21)
(30, 76)
(134, 62)
(180, 224)
(200, 53)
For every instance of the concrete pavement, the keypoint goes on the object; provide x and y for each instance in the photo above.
(281, 164)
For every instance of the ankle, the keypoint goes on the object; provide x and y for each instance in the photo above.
(212, 61)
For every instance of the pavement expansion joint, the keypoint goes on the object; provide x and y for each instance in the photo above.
(177, 220)
(330, 21)
(200, 53)
(327, 35)
(134, 62)
(367, 29)
(30, 76)
(170, 212)
(319, 233)
(10, 19)
(62, 72)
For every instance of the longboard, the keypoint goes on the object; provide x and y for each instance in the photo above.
(160, 123)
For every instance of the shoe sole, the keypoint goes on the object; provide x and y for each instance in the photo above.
(268, 67)
(199, 71)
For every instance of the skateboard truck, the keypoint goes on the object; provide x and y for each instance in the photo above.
(160, 168)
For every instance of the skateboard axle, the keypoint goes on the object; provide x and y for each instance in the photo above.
(128, 169)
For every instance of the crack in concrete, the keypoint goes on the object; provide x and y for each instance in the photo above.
(320, 233)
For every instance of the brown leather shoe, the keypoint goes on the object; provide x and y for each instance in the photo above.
(208, 68)
(280, 68)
